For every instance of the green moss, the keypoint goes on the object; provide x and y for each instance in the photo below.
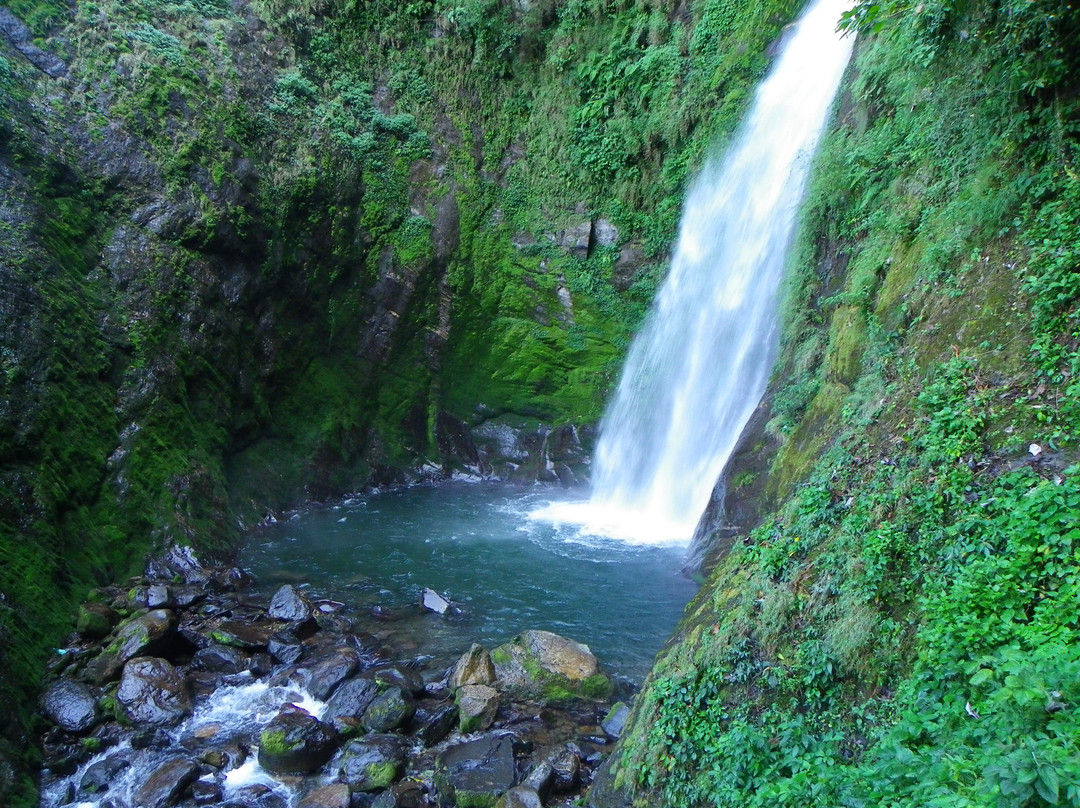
(380, 775)
(597, 686)
(474, 799)
(277, 742)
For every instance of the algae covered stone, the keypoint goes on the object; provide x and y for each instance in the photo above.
(296, 742)
(548, 667)
(373, 763)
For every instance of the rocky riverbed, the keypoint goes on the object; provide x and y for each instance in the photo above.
(188, 689)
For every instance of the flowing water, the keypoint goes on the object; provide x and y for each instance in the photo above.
(698, 368)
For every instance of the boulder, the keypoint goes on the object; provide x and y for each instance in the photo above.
(473, 668)
(324, 677)
(476, 772)
(166, 786)
(158, 597)
(374, 762)
(477, 706)
(289, 604)
(140, 635)
(285, 647)
(153, 692)
(548, 667)
(605, 234)
(350, 701)
(615, 721)
(70, 705)
(389, 710)
(296, 742)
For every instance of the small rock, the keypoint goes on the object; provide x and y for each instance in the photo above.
(71, 705)
(374, 762)
(260, 665)
(207, 792)
(1035, 450)
(389, 710)
(166, 786)
(289, 604)
(400, 676)
(285, 647)
(153, 692)
(566, 764)
(434, 602)
(296, 742)
(615, 721)
(541, 779)
(473, 668)
(100, 774)
(158, 597)
(239, 634)
(404, 794)
(477, 706)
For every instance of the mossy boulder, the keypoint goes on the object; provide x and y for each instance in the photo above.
(153, 692)
(477, 707)
(389, 710)
(477, 772)
(373, 763)
(95, 620)
(474, 667)
(296, 742)
(550, 668)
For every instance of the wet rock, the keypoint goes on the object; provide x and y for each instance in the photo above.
(285, 647)
(100, 774)
(477, 706)
(296, 742)
(435, 724)
(324, 677)
(566, 765)
(548, 667)
(166, 786)
(206, 792)
(153, 692)
(239, 634)
(71, 705)
(95, 621)
(187, 595)
(350, 701)
(473, 668)
(261, 665)
(220, 659)
(334, 795)
(138, 636)
(158, 597)
(520, 797)
(289, 604)
(615, 721)
(374, 762)
(476, 772)
(541, 779)
(406, 794)
(605, 234)
(434, 602)
(178, 562)
(400, 676)
(389, 710)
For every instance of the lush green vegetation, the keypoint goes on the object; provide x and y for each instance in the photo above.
(903, 629)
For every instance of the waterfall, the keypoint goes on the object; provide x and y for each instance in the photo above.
(699, 366)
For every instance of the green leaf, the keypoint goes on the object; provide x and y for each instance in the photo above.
(982, 675)
(1048, 785)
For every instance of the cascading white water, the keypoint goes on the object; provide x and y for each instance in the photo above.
(699, 366)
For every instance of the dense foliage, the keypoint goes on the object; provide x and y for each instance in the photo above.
(903, 630)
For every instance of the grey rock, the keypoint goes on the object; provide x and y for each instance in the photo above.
(404, 794)
(166, 786)
(400, 676)
(350, 701)
(220, 659)
(481, 769)
(332, 795)
(477, 706)
(252, 636)
(100, 774)
(289, 604)
(541, 779)
(434, 602)
(324, 677)
(158, 597)
(605, 234)
(153, 692)
(71, 705)
(474, 667)
(435, 724)
(520, 797)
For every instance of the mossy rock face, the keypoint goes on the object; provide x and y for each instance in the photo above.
(477, 772)
(549, 668)
(390, 709)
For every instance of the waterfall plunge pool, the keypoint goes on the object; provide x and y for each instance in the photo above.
(477, 544)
